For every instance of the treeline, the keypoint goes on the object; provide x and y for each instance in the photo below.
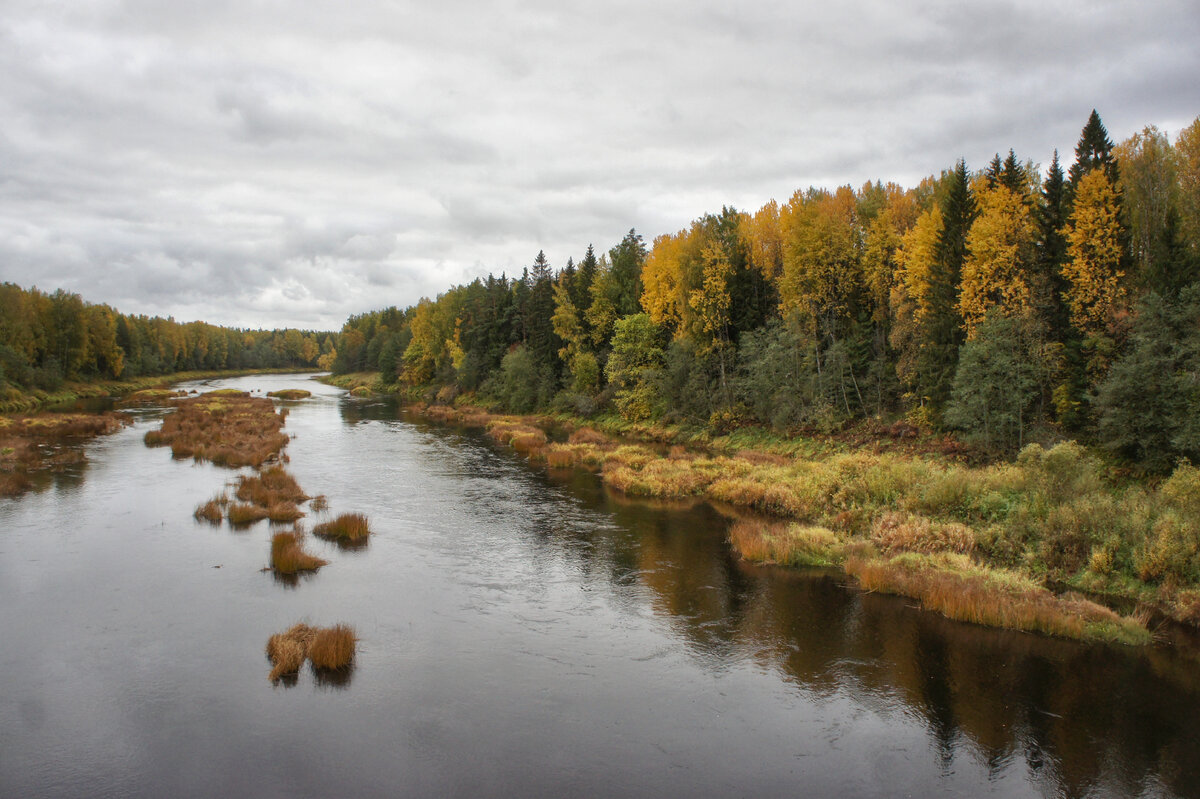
(1001, 303)
(46, 339)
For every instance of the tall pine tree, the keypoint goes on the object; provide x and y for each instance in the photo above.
(943, 328)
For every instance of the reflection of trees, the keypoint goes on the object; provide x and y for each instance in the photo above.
(1079, 718)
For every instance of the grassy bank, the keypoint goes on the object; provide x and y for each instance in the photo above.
(15, 400)
(919, 518)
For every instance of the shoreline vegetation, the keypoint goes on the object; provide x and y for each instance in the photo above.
(898, 374)
(987, 543)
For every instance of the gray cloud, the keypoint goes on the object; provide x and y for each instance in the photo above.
(262, 164)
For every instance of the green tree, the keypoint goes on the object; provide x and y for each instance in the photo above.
(998, 384)
(636, 358)
(1150, 401)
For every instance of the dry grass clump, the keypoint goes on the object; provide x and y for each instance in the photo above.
(333, 648)
(284, 512)
(903, 532)
(288, 555)
(288, 650)
(269, 487)
(212, 511)
(34, 443)
(242, 514)
(290, 394)
(319, 504)
(586, 435)
(350, 527)
(148, 396)
(229, 429)
(786, 544)
(960, 589)
(330, 648)
(505, 429)
(14, 483)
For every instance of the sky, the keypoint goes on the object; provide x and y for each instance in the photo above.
(270, 163)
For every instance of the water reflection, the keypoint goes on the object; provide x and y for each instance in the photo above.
(525, 633)
(1078, 717)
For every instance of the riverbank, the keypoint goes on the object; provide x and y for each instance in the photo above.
(14, 400)
(980, 542)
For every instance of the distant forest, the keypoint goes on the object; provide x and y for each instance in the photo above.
(46, 339)
(998, 303)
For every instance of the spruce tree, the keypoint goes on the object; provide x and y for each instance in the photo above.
(943, 331)
(1094, 151)
(1053, 213)
(1012, 176)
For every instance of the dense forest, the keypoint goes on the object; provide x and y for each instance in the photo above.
(1002, 303)
(46, 339)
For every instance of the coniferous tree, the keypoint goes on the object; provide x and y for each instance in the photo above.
(942, 333)
(1053, 213)
(1094, 151)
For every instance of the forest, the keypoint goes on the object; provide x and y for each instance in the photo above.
(1002, 304)
(46, 339)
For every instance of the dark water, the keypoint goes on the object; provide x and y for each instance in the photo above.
(523, 634)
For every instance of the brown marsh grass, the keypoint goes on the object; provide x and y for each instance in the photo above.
(228, 429)
(958, 588)
(45, 442)
(319, 504)
(329, 649)
(1055, 514)
(786, 544)
(332, 648)
(243, 514)
(587, 435)
(290, 394)
(288, 555)
(348, 527)
(288, 650)
(212, 511)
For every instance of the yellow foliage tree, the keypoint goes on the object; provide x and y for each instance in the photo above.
(996, 272)
(821, 269)
(1095, 289)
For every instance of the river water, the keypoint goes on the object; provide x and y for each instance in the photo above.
(523, 633)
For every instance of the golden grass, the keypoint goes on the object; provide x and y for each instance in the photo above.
(288, 650)
(228, 429)
(786, 544)
(242, 514)
(958, 588)
(333, 648)
(269, 487)
(586, 435)
(288, 555)
(290, 394)
(351, 527)
(329, 648)
(904, 532)
(283, 512)
(211, 511)
(1054, 514)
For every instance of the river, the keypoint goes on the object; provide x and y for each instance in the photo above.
(523, 633)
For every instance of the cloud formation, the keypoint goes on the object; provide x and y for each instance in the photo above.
(273, 163)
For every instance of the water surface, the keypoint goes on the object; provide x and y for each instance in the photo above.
(523, 634)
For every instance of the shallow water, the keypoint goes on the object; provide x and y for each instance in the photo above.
(523, 634)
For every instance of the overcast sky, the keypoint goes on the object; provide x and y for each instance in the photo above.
(265, 163)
